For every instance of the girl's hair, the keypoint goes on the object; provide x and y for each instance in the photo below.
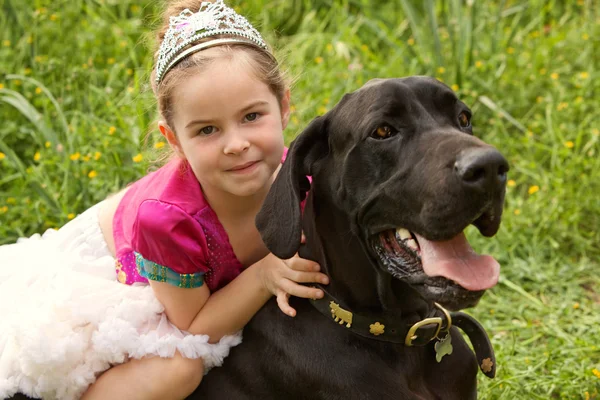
(259, 61)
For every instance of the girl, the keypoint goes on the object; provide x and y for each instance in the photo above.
(156, 280)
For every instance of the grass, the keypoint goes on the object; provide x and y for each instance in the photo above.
(75, 109)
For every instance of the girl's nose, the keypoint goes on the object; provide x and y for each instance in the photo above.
(236, 143)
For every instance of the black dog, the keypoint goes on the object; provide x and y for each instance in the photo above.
(397, 175)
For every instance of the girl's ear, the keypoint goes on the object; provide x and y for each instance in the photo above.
(285, 108)
(171, 138)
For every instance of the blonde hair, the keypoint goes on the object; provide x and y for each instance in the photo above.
(263, 64)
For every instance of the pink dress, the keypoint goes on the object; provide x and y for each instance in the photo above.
(164, 230)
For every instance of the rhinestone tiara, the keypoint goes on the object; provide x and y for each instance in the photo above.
(212, 19)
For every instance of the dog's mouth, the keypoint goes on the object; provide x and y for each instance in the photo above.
(449, 272)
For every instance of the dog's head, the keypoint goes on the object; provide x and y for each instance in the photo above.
(399, 158)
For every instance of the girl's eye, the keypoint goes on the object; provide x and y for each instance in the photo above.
(207, 130)
(383, 132)
(463, 120)
(251, 117)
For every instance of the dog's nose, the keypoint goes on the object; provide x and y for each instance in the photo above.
(482, 168)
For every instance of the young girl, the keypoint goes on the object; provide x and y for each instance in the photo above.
(157, 281)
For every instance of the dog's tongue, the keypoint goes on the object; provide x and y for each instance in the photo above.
(455, 259)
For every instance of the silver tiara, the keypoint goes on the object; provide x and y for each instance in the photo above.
(212, 19)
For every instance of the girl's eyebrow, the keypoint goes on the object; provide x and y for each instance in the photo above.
(250, 106)
(253, 105)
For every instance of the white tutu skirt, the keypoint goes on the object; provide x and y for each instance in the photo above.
(64, 318)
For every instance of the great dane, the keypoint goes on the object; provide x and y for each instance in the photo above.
(397, 176)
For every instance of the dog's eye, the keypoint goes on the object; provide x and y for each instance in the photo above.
(464, 120)
(383, 132)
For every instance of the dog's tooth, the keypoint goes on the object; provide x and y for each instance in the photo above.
(403, 233)
(412, 244)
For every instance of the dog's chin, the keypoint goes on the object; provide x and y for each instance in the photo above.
(398, 252)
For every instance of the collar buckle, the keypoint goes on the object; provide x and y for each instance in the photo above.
(431, 325)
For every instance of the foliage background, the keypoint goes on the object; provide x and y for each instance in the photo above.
(75, 110)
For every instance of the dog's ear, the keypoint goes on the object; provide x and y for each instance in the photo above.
(279, 219)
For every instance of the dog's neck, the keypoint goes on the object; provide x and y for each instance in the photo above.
(355, 278)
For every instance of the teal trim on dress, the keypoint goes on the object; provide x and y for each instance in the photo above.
(159, 273)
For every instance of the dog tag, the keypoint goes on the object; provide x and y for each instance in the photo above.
(443, 347)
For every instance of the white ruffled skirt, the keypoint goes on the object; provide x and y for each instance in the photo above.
(64, 318)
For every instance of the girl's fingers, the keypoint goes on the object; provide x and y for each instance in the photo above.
(293, 289)
(283, 303)
(307, 277)
(301, 264)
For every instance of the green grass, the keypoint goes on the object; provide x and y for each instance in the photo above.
(75, 110)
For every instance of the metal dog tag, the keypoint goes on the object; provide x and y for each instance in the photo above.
(443, 347)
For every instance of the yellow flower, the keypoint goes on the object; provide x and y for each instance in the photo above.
(29, 39)
(86, 158)
(585, 36)
(159, 145)
(576, 306)
(111, 60)
(319, 60)
(329, 47)
(410, 41)
(578, 99)
(539, 99)
(1, 86)
(533, 189)
(11, 200)
(441, 70)
(554, 76)
(112, 130)
(71, 216)
(123, 43)
(38, 90)
(596, 132)
(47, 144)
(478, 64)
(569, 144)
(27, 71)
(295, 120)
(2, 156)
(138, 158)
(454, 87)
(584, 75)
(129, 71)
(37, 156)
(17, 82)
(97, 155)
(510, 50)
(322, 110)
(596, 373)
(561, 106)
(75, 156)
(364, 47)
(511, 183)
(543, 71)
(129, 89)
(6, 43)
(92, 174)
(53, 17)
(3, 209)
(517, 212)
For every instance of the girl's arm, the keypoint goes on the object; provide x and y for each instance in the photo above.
(230, 308)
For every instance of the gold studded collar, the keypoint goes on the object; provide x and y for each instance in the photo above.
(416, 333)
(420, 333)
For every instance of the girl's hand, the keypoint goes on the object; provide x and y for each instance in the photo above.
(281, 277)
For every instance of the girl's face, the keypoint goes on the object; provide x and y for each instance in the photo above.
(229, 127)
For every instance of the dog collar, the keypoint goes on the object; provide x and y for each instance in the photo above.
(435, 327)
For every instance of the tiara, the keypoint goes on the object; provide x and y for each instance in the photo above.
(212, 19)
